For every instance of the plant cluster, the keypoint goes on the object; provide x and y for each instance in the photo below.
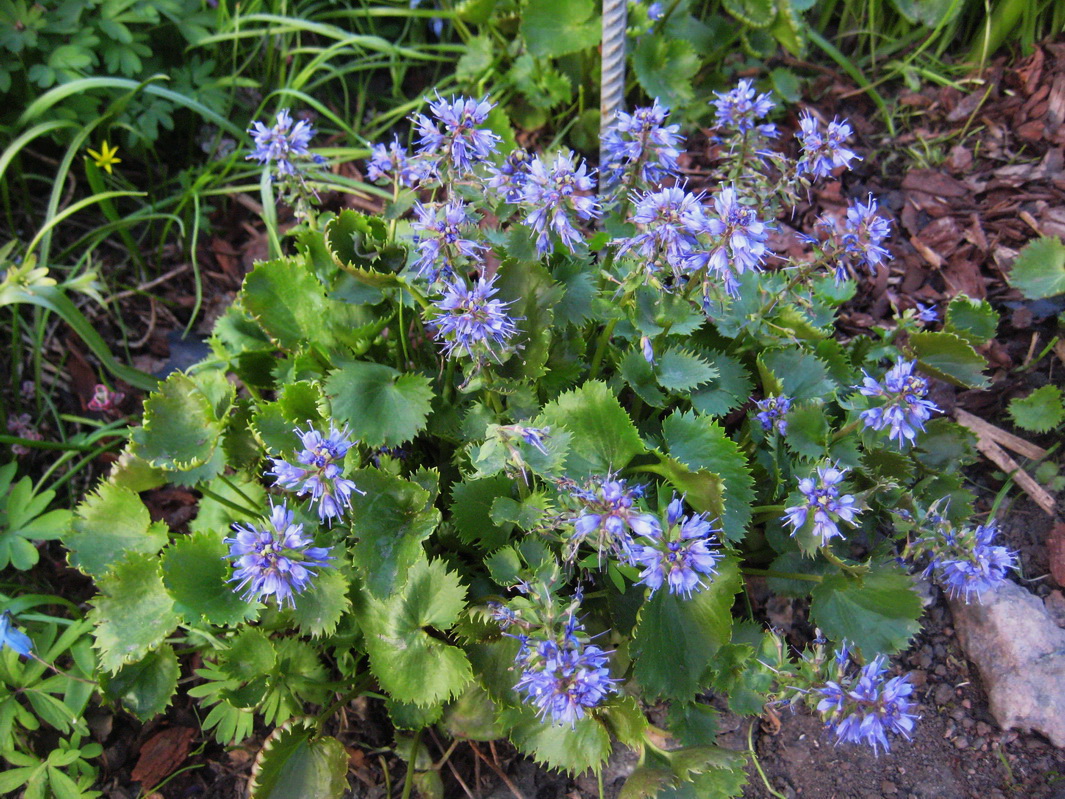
(507, 451)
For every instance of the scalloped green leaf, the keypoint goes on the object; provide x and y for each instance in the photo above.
(802, 376)
(553, 28)
(1040, 411)
(700, 444)
(196, 573)
(110, 523)
(391, 520)
(295, 762)
(603, 439)
(679, 370)
(807, 431)
(358, 243)
(664, 68)
(180, 430)
(675, 637)
(146, 687)
(582, 747)
(730, 387)
(383, 407)
(877, 613)
(1039, 270)
(288, 302)
(214, 516)
(949, 357)
(756, 13)
(974, 320)
(409, 662)
(133, 613)
(320, 607)
(471, 508)
(640, 376)
(533, 295)
(250, 655)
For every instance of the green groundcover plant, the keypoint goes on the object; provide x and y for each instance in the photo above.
(505, 454)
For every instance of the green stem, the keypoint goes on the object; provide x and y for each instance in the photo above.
(408, 780)
(600, 348)
(758, 766)
(847, 568)
(846, 430)
(252, 514)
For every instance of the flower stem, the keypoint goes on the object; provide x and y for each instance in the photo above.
(600, 348)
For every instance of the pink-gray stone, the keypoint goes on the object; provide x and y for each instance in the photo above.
(1020, 653)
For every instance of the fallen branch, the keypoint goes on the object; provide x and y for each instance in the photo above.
(999, 436)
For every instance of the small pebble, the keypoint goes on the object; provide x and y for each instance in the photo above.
(888, 787)
(961, 742)
(943, 694)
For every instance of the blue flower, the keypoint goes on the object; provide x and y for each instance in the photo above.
(737, 240)
(442, 246)
(823, 504)
(508, 181)
(866, 709)
(283, 144)
(670, 218)
(461, 143)
(276, 559)
(552, 193)
(563, 677)
(966, 563)
(470, 321)
(655, 12)
(772, 411)
(534, 436)
(13, 638)
(823, 152)
(679, 558)
(319, 473)
(905, 409)
(741, 109)
(609, 512)
(927, 313)
(642, 142)
(392, 163)
(863, 232)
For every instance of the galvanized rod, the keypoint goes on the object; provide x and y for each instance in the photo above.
(612, 81)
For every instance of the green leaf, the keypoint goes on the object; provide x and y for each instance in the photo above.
(646, 783)
(949, 357)
(877, 613)
(358, 243)
(604, 438)
(476, 60)
(1039, 270)
(295, 762)
(215, 517)
(145, 688)
(576, 749)
(288, 301)
(807, 432)
(250, 655)
(409, 663)
(729, 389)
(471, 508)
(1040, 411)
(473, 717)
(382, 406)
(320, 607)
(755, 13)
(196, 573)
(180, 430)
(930, 13)
(974, 320)
(553, 28)
(133, 613)
(664, 68)
(532, 295)
(676, 637)
(945, 446)
(679, 371)
(701, 444)
(391, 520)
(109, 524)
(801, 375)
(640, 376)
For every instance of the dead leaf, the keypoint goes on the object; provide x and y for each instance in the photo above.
(162, 754)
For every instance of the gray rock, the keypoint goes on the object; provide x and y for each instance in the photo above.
(1020, 653)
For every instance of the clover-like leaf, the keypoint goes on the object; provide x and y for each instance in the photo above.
(382, 406)
(554, 28)
(180, 430)
(403, 636)
(288, 302)
(110, 523)
(296, 761)
(949, 357)
(133, 612)
(196, 573)
(146, 687)
(1040, 411)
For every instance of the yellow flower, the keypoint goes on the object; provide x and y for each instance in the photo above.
(106, 157)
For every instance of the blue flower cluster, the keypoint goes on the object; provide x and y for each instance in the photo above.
(319, 471)
(563, 676)
(283, 144)
(641, 144)
(442, 245)
(609, 513)
(824, 506)
(553, 193)
(905, 409)
(772, 412)
(965, 562)
(866, 707)
(393, 163)
(508, 181)
(453, 137)
(741, 109)
(470, 320)
(823, 151)
(13, 638)
(276, 559)
(680, 557)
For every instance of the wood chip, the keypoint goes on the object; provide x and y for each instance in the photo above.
(997, 434)
(994, 453)
(162, 754)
